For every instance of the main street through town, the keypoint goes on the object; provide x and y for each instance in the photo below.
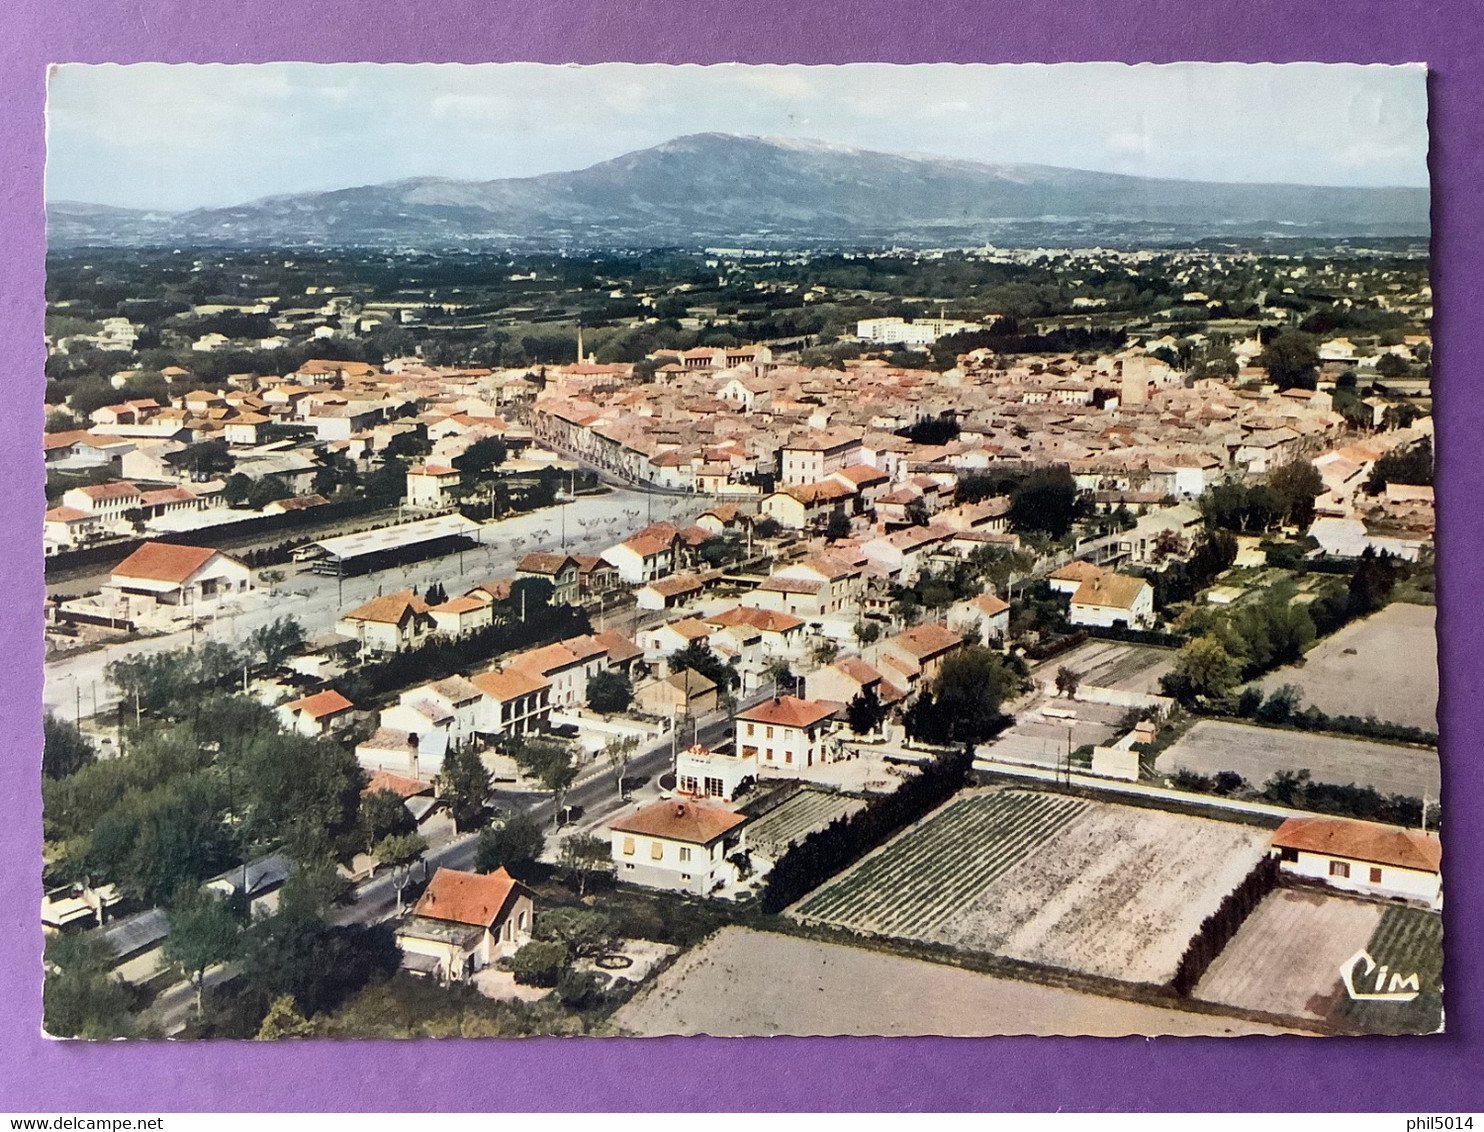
(76, 685)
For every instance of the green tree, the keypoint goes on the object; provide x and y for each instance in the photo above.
(838, 526)
(1292, 361)
(513, 845)
(1067, 682)
(618, 751)
(203, 933)
(609, 692)
(866, 632)
(539, 963)
(81, 997)
(65, 750)
(584, 932)
(583, 857)
(274, 643)
(283, 1020)
(400, 849)
(1203, 669)
(237, 488)
(1298, 484)
(698, 657)
(383, 814)
(962, 705)
(465, 782)
(865, 712)
(267, 490)
(1046, 500)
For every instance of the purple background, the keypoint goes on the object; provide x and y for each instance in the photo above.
(1263, 1074)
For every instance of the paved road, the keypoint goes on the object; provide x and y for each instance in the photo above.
(593, 792)
(591, 523)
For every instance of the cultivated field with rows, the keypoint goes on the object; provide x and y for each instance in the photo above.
(930, 872)
(795, 819)
(1106, 889)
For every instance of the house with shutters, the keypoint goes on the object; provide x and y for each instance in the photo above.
(464, 922)
(389, 623)
(786, 735)
(678, 846)
(919, 652)
(1365, 858)
(561, 570)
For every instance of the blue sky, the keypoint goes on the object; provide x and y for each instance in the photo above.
(185, 136)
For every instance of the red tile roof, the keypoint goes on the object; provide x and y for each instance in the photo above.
(396, 784)
(680, 821)
(789, 711)
(1361, 841)
(389, 608)
(321, 704)
(164, 562)
(477, 899)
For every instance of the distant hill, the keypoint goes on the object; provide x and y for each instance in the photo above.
(710, 189)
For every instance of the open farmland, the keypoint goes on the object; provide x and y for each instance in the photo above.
(799, 816)
(742, 983)
(1257, 752)
(1108, 890)
(1385, 665)
(1286, 957)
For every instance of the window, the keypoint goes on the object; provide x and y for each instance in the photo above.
(1375, 876)
(1288, 853)
(685, 876)
(656, 850)
(685, 853)
(749, 730)
(1339, 869)
(687, 784)
(628, 864)
(628, 846)
(769, 734)
(788, 756)
(715, 787)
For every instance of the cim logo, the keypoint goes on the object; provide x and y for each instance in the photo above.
(1402, 988)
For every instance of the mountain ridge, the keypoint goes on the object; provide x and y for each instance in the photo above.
(708, 188)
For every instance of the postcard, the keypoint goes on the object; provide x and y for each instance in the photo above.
(630, 550)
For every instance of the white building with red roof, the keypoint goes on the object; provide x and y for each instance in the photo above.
(430, 486)
(318, 714)
(464, 922)
(786, 735)
(162, 581)
(1363, 857)
(678, 846)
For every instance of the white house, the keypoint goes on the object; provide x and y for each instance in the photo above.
(431, 486)
(786, 735)
(1114, 600)
(642, 558)
(389, 623)
(515, 701)
(561, 570)
(987, 615)
(1363, 857)
(678, 846)
(318, 714)
(163, 581)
